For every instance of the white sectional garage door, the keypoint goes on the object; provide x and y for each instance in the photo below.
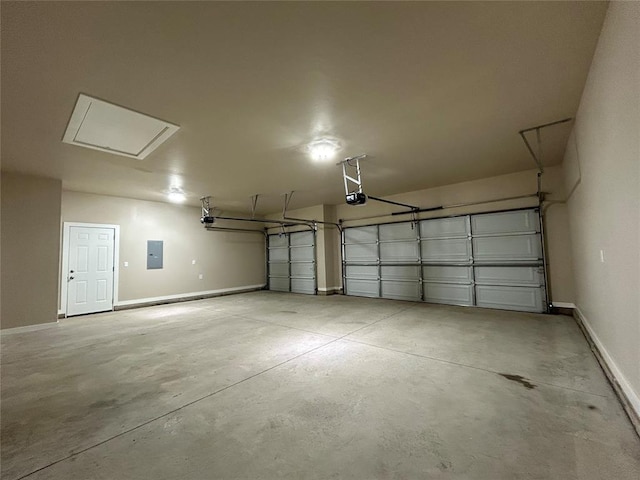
(488, 260)
(292, 265)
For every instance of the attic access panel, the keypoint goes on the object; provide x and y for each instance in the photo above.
(103, 126)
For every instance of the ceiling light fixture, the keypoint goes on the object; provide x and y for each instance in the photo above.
(176, 195)
(322, 150)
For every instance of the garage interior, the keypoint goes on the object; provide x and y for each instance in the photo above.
(320, 240)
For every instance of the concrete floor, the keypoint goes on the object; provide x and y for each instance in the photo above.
(270, 385)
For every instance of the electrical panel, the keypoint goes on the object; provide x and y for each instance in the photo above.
(154, 254)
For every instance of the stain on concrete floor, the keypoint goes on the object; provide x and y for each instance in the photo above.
(519, 379)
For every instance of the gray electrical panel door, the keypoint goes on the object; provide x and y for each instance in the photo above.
(292, 266)
(490, 260)
(154, 254)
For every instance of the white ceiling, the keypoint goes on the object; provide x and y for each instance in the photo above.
(435, 93)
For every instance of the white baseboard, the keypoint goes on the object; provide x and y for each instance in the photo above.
(564, 305)
(28, 328)
(329, 289)
(632, 397)
(188, 296)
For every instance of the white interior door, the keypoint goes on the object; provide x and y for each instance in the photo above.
(90, 270)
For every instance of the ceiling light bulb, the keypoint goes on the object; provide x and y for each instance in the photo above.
(322, 150)
(176, 195)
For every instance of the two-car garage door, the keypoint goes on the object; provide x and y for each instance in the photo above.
(488, 260)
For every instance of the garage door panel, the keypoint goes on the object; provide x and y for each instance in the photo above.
(302, 254)
(398, 231)
(301, 238)
(445, 273)
(444, 228)
(526, 299)
(449, 250)
(303, 269)
(448, 293)
(278, 269)
(400, 290)
(362, 288)
(405, 272)
(505, 222)
(361, 272)
(278, 241)
(361, 235)
(279, 284)
(511, 248)
(399, 252)
(361, 253)
(303, 285)
(278, 255)
(533, 276)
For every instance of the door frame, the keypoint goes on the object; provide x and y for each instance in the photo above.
(65, 260)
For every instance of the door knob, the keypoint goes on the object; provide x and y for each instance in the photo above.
(71, 277)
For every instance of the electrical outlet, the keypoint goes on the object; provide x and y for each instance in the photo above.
(200, 277)
(126, 264)
(193, 262)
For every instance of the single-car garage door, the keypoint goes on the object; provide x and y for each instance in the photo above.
(292, 266)
(488, 260)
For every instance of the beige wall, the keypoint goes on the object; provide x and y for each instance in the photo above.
(331, 250)
(602, 167)
(225, 259)
(30, 213)
(512, 185)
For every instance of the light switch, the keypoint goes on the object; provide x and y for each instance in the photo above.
(602, 256)
(126, 264)
(193, 262)
(200, 276)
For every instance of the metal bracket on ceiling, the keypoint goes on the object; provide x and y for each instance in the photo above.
(313, 222)
(538, 157)
(287, 200)
(254, 204)
(537, 128)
